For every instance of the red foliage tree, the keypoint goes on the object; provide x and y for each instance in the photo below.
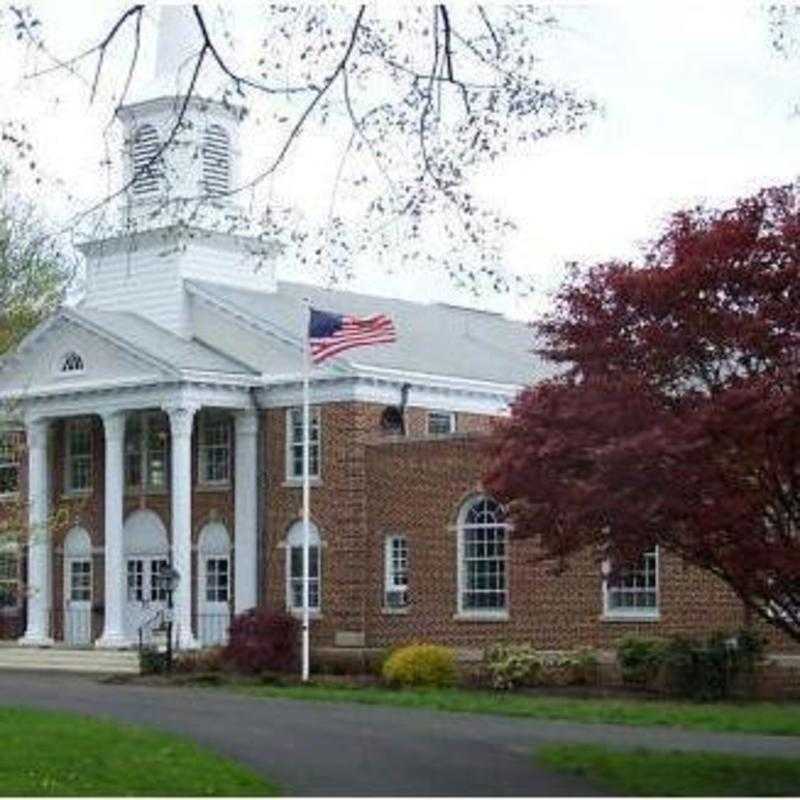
(676, 419)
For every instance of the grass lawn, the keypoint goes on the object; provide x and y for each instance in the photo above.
(768, 718)
(45, 753)
(650, 773)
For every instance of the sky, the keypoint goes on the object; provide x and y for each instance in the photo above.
(696, 107)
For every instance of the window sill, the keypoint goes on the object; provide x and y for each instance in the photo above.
(641, 617)
(136, 492)
(395, 612)
(213, 487)
(298, 614)
(77, 494)
(486, 616)
(9, 497)
(296, 483)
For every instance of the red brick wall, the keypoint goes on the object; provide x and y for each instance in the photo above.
(373, 484)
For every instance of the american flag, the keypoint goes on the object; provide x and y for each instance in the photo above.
(330, 334)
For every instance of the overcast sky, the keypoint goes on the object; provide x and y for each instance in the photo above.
(697, 107)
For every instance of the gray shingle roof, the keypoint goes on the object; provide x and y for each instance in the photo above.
(152, 340)
(434, 339)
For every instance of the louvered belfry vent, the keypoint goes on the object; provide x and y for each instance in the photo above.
(147, 166)
(216, 161)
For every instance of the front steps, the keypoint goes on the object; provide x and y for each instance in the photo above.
(60, 659)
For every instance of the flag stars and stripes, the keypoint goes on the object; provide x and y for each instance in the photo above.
(330, 334)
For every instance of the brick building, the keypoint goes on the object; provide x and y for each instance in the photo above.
(157, 422)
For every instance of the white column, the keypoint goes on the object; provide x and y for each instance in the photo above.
(180, 423)
(246, 513)
(37, 631)
(114, 633)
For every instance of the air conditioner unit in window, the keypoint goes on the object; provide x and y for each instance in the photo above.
(397, 599)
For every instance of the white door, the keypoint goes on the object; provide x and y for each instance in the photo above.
(145, 599)
(213, 599)
(78, 601)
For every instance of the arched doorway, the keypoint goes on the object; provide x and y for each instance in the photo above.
(146, 549)
(77, 587)
(213, 584)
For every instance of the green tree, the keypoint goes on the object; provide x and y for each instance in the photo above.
(34, 272)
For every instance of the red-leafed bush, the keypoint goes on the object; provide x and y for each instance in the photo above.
(263, 640)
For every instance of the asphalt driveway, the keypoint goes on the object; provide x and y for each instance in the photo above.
(340, 749)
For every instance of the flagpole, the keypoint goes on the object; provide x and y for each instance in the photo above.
(306, 491)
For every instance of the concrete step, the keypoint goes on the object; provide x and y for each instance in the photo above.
(64, 660)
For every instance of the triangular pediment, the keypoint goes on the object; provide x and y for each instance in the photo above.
(67, 353)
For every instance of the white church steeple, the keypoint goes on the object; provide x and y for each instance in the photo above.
(181, 156)
(181, 163)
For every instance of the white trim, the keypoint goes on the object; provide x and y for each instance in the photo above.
(473, 613)
(293, 479)
(294, 540)
(389, 571)
(70, 426)
(451, 415)
(205, 418)
(632, 614)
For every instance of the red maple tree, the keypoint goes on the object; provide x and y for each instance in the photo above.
(676, 418)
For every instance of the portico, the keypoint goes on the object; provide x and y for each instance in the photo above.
(124, 583)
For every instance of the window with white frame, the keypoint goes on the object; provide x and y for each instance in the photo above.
(78, 456)
(441, 422)
(146, 440)
(217, 580)
(633, 591)
(9, 575)
(11, 449)
(482, 547)
(294, 568)
(294, 443)
(214, 449)
(396, 572)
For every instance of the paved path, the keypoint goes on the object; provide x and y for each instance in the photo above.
(342, 749)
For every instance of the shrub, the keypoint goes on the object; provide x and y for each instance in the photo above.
(510, 666)
(640, 659)
(152, 661)
(708, 669)
(421, 665)
(262, 640)
(197, 661)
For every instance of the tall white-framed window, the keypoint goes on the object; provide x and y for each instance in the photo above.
(78, 456)
(12, 445)
(217, 579)
(214, 449)
(294, 443)
(294, 568)
(634, 590)
(146, 450)
(441, 422)
(9, 575)
(482, 559)
(395, 572)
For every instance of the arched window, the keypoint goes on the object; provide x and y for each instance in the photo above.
(482, 552)
(216, 161)
(72, 362)
(294, 568)
(146, 159)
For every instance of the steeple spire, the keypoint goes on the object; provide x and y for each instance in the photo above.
(177, 46)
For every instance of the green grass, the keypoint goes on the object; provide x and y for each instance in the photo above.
(56, 754)
(765, 718)
(649, 773)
